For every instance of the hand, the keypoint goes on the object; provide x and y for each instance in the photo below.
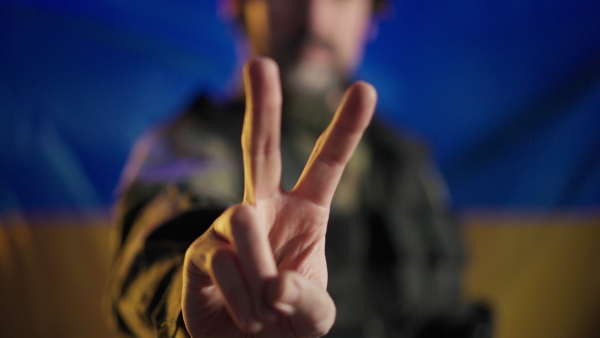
(260, 268)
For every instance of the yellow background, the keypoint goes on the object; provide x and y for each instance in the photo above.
(541, 273)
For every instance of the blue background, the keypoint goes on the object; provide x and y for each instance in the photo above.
(506, 93)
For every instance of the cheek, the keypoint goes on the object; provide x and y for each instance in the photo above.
(352, 37)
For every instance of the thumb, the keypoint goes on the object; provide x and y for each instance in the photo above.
(308, 305)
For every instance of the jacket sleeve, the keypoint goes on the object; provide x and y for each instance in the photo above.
(173, 188)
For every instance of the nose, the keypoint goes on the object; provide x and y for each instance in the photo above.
(316, 14)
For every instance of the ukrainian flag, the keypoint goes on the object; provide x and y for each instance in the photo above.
(506, 93)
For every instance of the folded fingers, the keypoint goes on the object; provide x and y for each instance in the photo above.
(235, 253)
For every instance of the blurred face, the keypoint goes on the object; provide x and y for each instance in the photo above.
(317, 43)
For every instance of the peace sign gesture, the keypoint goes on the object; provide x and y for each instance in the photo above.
(260, 268)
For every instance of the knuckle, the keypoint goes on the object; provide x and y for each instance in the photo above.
(241, 219)
(200, 257)
(231, 221)
(220, 257)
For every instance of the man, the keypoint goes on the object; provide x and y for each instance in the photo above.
(194, 259)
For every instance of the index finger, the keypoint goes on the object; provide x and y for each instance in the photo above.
(336, 145)
(262, 129)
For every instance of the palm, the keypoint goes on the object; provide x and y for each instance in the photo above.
(297, 236)
(261, 266)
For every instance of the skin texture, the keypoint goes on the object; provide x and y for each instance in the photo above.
(260, 269)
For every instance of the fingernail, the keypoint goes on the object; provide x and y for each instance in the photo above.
(286, 309)
(251, 325)
(289, 297)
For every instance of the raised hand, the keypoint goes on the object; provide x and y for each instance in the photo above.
(260, 268)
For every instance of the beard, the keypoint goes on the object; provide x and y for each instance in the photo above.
(312, 89)
(312, 92)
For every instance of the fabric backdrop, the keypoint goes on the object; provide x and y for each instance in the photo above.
(505, 93)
